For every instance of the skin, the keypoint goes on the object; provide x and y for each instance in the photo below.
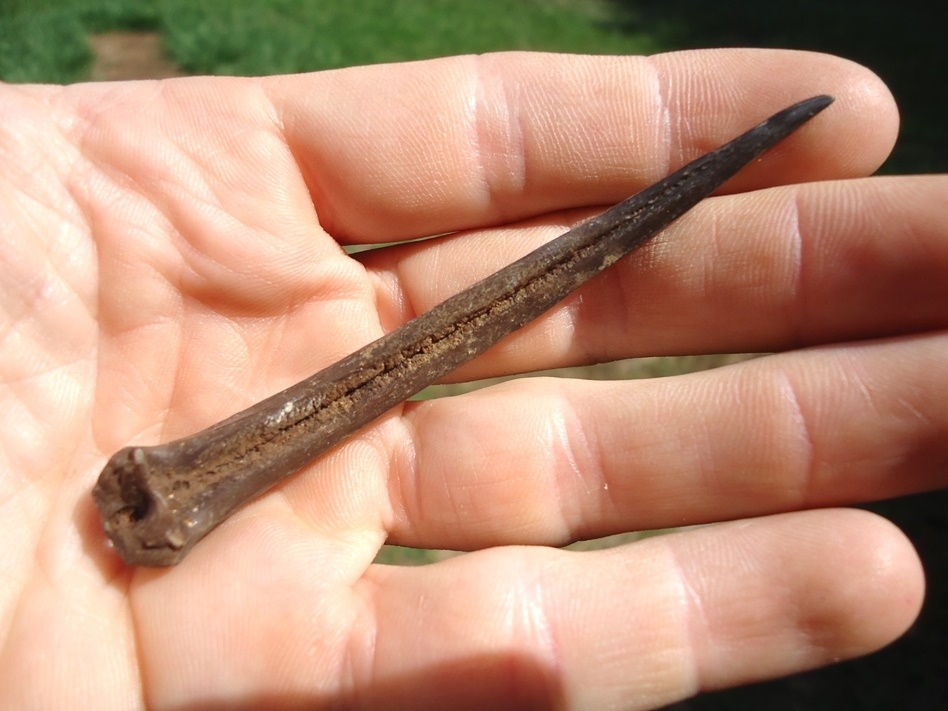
(171, 254)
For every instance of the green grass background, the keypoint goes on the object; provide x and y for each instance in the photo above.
(45, 41)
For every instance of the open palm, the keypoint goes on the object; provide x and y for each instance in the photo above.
(171, 253)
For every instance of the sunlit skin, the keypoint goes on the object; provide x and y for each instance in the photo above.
(171, 254)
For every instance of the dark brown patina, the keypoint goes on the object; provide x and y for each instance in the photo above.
(157, 502)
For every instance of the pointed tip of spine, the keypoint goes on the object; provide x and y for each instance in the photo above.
(802, 111)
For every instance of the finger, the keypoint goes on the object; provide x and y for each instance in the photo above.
(637, 626)
(550, 461)
(762, 271)
(413, 150)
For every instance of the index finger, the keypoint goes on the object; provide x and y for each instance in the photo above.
(403, 151)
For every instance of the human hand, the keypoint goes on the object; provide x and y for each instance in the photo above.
(170, 255)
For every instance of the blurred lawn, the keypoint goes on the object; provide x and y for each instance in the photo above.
(45, 41)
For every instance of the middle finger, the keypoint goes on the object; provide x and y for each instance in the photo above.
(762, 271)
(548, 461)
